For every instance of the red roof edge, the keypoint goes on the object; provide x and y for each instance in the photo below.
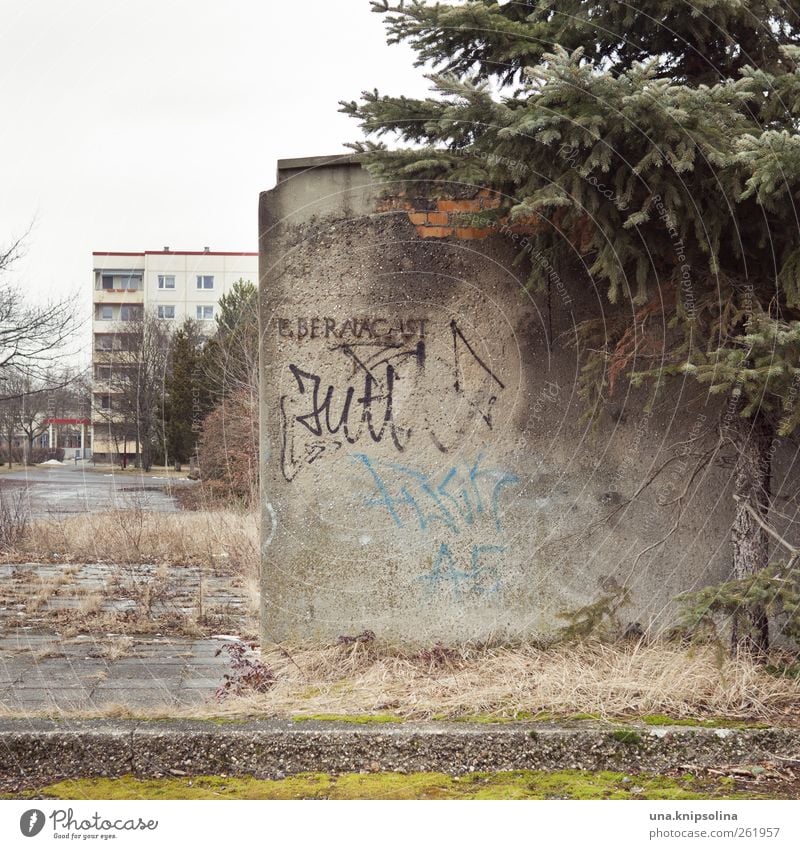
(176, 253)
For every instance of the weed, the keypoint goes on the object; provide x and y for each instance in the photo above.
(627, 737)
(249, 673)
(14, 519)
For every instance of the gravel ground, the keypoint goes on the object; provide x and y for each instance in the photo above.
(36, 752)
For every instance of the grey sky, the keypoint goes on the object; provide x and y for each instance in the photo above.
(133, 125)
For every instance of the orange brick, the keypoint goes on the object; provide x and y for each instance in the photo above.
(434, 232)
(472, 232)
(438, 219)
(420, 218)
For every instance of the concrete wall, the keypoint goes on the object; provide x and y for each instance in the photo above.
(425, 471)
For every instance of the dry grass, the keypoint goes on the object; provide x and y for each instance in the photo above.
(115, 648)
(223, 539)
(370, 677)
(592, 678)
(150, 554)
(483, 683)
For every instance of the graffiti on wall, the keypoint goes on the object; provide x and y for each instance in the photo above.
(459, 509)
(398, 385)
(377, 362)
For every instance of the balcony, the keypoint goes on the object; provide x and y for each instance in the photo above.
(119, 296)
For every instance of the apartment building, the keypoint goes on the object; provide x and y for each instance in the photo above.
(173, 286)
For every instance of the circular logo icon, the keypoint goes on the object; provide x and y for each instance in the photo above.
(31, 822)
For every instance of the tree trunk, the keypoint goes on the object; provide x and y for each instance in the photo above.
(753, 438)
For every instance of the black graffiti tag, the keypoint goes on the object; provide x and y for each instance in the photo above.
(321, 416)
(348, 412)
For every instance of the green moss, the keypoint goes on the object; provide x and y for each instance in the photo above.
(302, 786)
(518, 716)
(351, 718)
(661, 719)
(628, 737)
(711, 722)
(567, 784)
(490, 718)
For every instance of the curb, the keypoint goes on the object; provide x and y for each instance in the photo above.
(277, 748)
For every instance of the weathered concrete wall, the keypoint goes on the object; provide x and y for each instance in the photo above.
(425, 472)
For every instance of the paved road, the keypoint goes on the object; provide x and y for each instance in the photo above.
(69, 489)
(42, 672)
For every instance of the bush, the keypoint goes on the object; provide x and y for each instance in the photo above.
(228, 449)
(776, 589)
(14, 519)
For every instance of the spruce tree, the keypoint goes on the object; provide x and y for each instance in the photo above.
(658, 143)
(231, 355)
(186, 395)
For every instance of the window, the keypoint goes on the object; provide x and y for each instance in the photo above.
(106, 313)
(129, 313)
(205, 281)
(205, 313)
(103, 372)
(166, 311)
(127, 342)
(167, 281)
(130, 282)
(105, 402)
(108, 281)
(103, 342)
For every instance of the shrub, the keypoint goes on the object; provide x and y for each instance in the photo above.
(228, 449)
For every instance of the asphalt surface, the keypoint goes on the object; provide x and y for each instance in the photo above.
(70, 489)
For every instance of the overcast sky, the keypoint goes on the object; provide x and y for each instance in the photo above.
(134, 124)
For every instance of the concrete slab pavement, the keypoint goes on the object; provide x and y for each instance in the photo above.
(43, 673)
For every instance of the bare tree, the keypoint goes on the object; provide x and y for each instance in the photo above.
(31, 335)
(10, 416)
(134, 411)
(27, 403)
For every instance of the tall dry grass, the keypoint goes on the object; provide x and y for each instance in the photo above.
(225, 539)
(594, 678)
(616, 680)
(148, 552)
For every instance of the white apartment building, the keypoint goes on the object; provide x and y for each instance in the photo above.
(174, 285)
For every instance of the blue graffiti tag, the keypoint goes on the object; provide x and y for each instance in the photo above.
(451, 503)
(478, 578)
(430, 500)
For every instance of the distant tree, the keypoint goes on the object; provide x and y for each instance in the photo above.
(231, 355)
(228, 449)
(32, 337)
(10, 414)
(33, 411)
(29, 402)
(186, 399)
(135, 411)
